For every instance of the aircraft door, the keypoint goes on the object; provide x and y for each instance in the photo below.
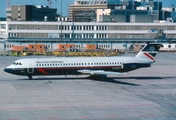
(122, 66)
(30, 66)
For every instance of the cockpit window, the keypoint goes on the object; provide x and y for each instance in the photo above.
(17, 63)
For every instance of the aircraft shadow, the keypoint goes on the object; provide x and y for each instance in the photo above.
(114, 80)
(145, 78)
(56, 78)
(104, 79)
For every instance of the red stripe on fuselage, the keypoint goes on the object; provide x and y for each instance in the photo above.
(149, 56)
(42, 71)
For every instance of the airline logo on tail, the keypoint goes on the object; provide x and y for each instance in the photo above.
(149, 51)
(149, 56)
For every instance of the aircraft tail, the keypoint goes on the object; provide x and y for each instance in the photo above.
(149, 51)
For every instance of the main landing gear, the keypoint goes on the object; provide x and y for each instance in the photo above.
(30, 77)
(97, 77)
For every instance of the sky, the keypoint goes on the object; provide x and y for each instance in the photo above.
(65, 3)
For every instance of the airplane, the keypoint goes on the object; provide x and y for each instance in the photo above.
(93, 66)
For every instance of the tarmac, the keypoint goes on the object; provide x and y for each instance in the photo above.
(144, 94)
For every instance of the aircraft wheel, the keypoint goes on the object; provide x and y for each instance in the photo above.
(98, 77)
(30, 77)
(95, 77)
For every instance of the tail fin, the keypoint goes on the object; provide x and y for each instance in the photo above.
(149, 51)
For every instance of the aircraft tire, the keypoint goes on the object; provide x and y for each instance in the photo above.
(30, 77)
(95, 77)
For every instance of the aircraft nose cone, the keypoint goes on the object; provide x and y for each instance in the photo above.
(8, 70)
(5, 70)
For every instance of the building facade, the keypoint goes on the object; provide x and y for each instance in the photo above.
(106, 35)
(86, 10)
(85, 31)
(31, 13)
(169, 13)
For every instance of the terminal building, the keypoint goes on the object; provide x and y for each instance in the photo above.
(100, 33)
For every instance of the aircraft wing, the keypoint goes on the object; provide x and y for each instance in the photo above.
(99, 72)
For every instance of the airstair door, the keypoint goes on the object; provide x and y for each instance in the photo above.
(30, 66)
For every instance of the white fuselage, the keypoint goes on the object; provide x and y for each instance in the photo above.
(70, 65)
